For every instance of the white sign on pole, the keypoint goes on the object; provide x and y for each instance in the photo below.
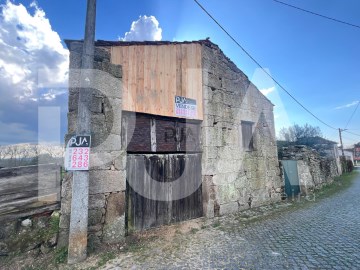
(77, 153)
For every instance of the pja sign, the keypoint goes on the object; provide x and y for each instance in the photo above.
(77, 153)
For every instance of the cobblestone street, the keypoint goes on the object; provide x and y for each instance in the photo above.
(321, 235)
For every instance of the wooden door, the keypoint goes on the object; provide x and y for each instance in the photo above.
(162, 189)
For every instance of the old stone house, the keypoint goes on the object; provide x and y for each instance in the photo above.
(308, 164)
(178, 132)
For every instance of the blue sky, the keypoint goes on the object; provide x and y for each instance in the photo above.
(317, 60)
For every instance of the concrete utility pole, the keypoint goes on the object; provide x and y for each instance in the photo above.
(77, 251)
(341, 142)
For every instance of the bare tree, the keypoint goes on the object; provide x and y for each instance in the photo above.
(296, 132)
(287, 134)
(4, 150)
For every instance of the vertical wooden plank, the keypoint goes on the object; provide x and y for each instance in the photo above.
(172, 83)
(140, 101)
(160, 87)
(184, 69)
(132, 83)
(153, 80)
(200, 80)
(178, 69)
(147, 77)
(166, 89)
(153, 134)
(125, 67)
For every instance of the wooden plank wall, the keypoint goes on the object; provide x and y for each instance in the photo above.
(144, 213)
(170, 135)
(28, 190)
(154, 74)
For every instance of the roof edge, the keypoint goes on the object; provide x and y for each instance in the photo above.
(107, 43)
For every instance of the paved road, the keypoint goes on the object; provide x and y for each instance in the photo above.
(324, 235)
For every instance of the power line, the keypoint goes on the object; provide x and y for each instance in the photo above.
(349, 139)
(260, 66)
(317, 14)
(357, 106)
(352, 133)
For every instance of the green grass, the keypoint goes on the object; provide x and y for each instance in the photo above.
(340, 183)
(216, 224)
(105, 257)
(52, 229)
(60, 255)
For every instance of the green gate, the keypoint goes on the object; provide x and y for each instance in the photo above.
(292, 186)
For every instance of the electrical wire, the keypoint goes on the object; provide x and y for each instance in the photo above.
(352, 133)
(317, 14)
(351, 117)
(261, 67)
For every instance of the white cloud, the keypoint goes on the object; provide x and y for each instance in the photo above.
(33, 64)
(146, 28)
(267, 91)
(29, 44)
(348, 105)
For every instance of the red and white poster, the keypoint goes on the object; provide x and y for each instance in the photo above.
(77, 155)
(357, 153)
(185, 107)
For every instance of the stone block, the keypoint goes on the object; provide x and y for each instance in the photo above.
(209, 166)
(98, 124)
(210, 152)
(208, 121)
(229, 208)
(76, 46)
(214, 81)
(63, 238)
(107, 84)
(97, 104)
(227, 193)
(212, 136)
(66, 186)
(114, 115)
(64, 221)
(228, 165)
(208, 209)
(113, 70)
(66, 206)
(114, 232)
(100, 160)
(96, 201)
(73, 102)
(106, 142)
(94, 217)
(115, 207)
(72, 119)
(94, 242)
(107, 181)
(75, 60)
(120, 161)
(101, 54)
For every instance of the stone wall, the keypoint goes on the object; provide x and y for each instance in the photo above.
(234, 179)
(314, 170)
(107, 175)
